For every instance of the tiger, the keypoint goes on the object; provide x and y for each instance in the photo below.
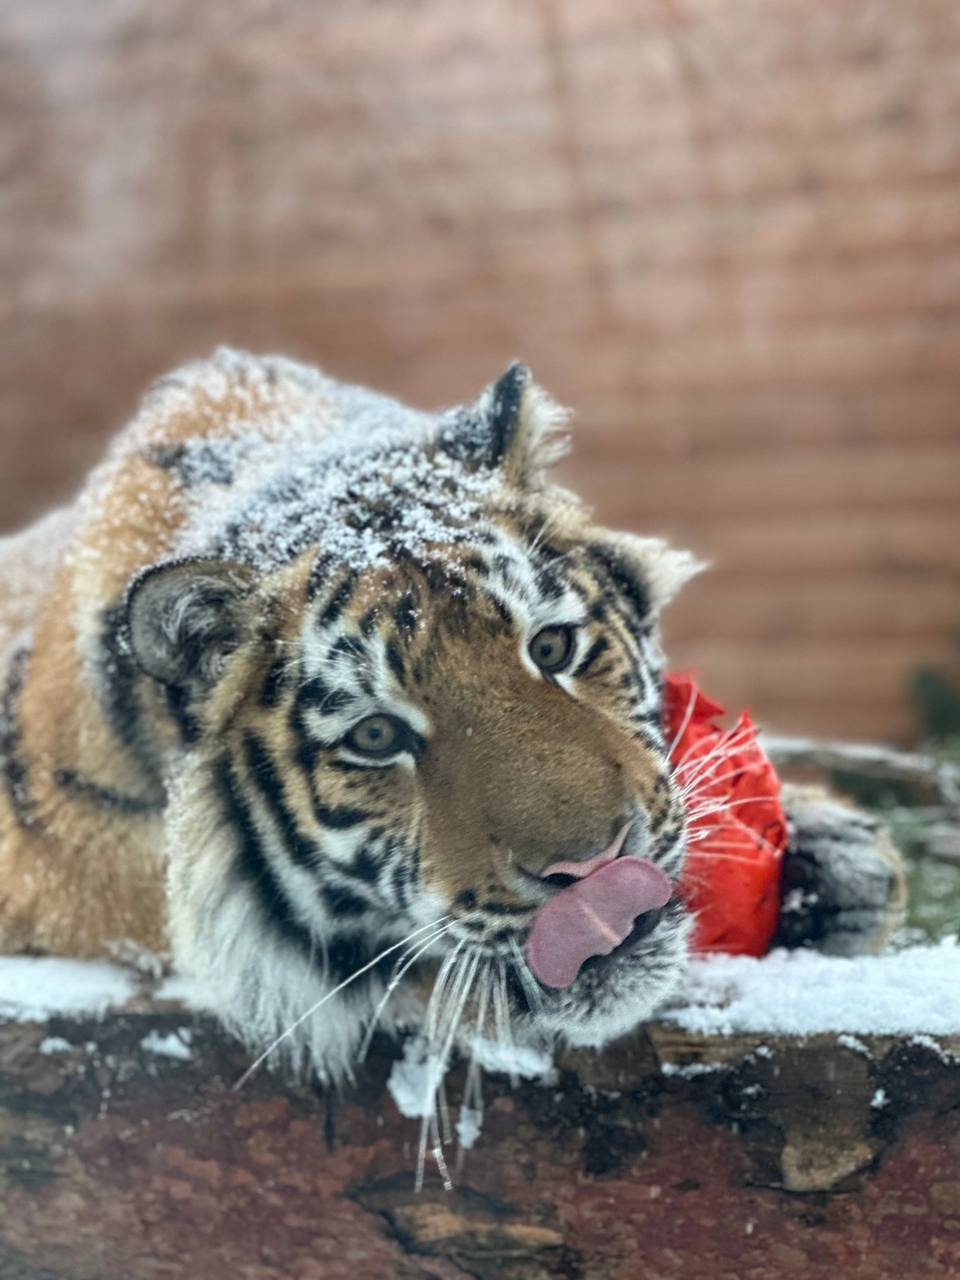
(306, 683)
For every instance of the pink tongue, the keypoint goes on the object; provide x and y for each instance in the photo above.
(592, 917)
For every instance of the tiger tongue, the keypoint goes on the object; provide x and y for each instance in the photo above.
(592, 916)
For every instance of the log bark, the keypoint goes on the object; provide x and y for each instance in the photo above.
(670, 1155)
(871, 760)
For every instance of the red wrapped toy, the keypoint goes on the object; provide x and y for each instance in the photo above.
(738, 830)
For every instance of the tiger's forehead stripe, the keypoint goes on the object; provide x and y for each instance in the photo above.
(351, 668)
(354, 639)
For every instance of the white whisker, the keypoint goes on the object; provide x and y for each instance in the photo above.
(473, 1085)
(502, 1016)
(533, 993)
(694, 815)
(357, 973)
(726, 747)
(685, 721)
(437, 1062)
(402, 967)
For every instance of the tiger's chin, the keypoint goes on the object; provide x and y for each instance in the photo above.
(614, 994)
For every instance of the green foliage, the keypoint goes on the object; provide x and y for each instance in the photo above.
(937, 699)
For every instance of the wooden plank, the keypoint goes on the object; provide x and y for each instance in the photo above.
(901, 542)
(778, 606)
(819, 668)
(848, 477)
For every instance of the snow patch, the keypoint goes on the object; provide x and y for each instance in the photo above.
(854, 1045)
(801, 993)
(928, 1042)
(32, 988)
(183, 990)
(54, 1044)
(515, 1060)
(177, 1044)
(690, 1070)
(469, 1124)
(409, 1079)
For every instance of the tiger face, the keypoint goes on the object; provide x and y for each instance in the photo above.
(406, 743)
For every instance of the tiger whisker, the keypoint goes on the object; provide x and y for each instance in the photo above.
(699, 785)
(401, 968)
(726, 747)
(461, 987)
(532, 991)
(357, 973)
(684, 722)
(695, 814)
(473, 1085)
(721, 777)
(722, 746)
(717, 851)
(502, 1016)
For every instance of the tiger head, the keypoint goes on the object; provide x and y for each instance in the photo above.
(421, 688)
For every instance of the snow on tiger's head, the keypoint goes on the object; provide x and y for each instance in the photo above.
(412, 678)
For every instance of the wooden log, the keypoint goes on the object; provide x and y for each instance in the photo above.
(670, 1155)
(870, 760)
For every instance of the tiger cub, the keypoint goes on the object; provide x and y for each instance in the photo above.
(307, 683)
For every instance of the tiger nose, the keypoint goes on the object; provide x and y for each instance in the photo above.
(582, 866)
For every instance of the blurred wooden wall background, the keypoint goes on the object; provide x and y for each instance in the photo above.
(727, 233)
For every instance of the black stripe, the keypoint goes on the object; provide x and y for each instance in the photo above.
(273, 686)
(365, 866)
(599, 646)
(335, 606)
(341, 902)
(401, 880)
(617, 612)
(624, 580)
(302, 850)
(106, 797)
(549, 585)
(652, 718)
(317, 693)
(13, 768)
(178, 704)
(478, 565)
(405, 613)
(253, 866)
(194, 463)
(395, 662)
(347, 647)
(502, 611)
(318, 575)
(117, 690)
(348, 953)
(336, 817)
(505, 908)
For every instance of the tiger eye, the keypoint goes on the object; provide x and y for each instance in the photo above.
(376, 736)
(552, 648)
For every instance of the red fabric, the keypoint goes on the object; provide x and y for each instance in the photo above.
(731, 878)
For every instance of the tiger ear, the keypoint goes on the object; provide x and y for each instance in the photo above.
(184, 619)
(648, 571)
(513, 427)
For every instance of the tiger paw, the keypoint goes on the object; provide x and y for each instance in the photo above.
(843, 887)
